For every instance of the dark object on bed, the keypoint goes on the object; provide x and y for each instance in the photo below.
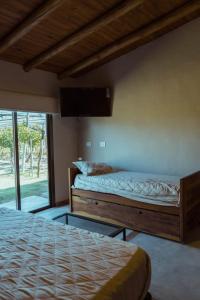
(170, 222)
(148, 296)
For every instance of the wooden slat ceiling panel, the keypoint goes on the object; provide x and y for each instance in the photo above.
(13, 12)
(117, 29)
(74, 14)
(99, 40)
(117, 53)
(70, 17)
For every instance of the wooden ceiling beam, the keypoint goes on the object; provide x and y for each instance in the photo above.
(118, 11)
(33, 19)
(148, 33)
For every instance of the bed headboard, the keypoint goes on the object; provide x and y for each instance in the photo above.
(72, 172)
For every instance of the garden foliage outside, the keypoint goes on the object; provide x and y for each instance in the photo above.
(32, 146)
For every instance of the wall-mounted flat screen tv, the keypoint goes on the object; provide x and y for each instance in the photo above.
(85, 102)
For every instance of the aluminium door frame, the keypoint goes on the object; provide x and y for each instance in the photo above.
(16, 160)
(50, 160)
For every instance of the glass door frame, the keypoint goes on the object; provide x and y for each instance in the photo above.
(50, 153)
(16, 161)
(51, 179)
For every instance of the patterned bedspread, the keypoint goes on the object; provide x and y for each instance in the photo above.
(43, 259)
(150, 188)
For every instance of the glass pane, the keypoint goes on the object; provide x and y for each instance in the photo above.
(7, 169)
(33, 160)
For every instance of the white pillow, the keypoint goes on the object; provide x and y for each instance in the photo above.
(92, 168)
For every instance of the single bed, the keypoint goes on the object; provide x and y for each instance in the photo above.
(43, 259)
(167, 206)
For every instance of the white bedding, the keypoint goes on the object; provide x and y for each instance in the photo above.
(150, 188)
(44, 260)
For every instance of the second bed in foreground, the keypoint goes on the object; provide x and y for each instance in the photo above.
(43, 259)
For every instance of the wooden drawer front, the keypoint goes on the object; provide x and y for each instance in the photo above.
(138, 219)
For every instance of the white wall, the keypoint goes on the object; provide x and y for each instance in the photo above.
(155, 125)
(38, 91)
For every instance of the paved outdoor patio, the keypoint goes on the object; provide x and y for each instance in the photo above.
(28, 203)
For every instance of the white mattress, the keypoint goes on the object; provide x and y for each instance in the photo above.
(150, 188)
(41, 259)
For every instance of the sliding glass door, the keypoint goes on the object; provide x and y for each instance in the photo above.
(26, 157)
(33, 160)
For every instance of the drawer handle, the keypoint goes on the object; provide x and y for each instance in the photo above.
(140, 212)
(96, 203)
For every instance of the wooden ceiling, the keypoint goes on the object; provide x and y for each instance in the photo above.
(72, 37)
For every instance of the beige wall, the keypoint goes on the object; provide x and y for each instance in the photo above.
(12, 77)
(155, 125)
(38, 91)
(65, 151)
(11, 100)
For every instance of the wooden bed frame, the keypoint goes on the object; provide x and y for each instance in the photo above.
(170, 222)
